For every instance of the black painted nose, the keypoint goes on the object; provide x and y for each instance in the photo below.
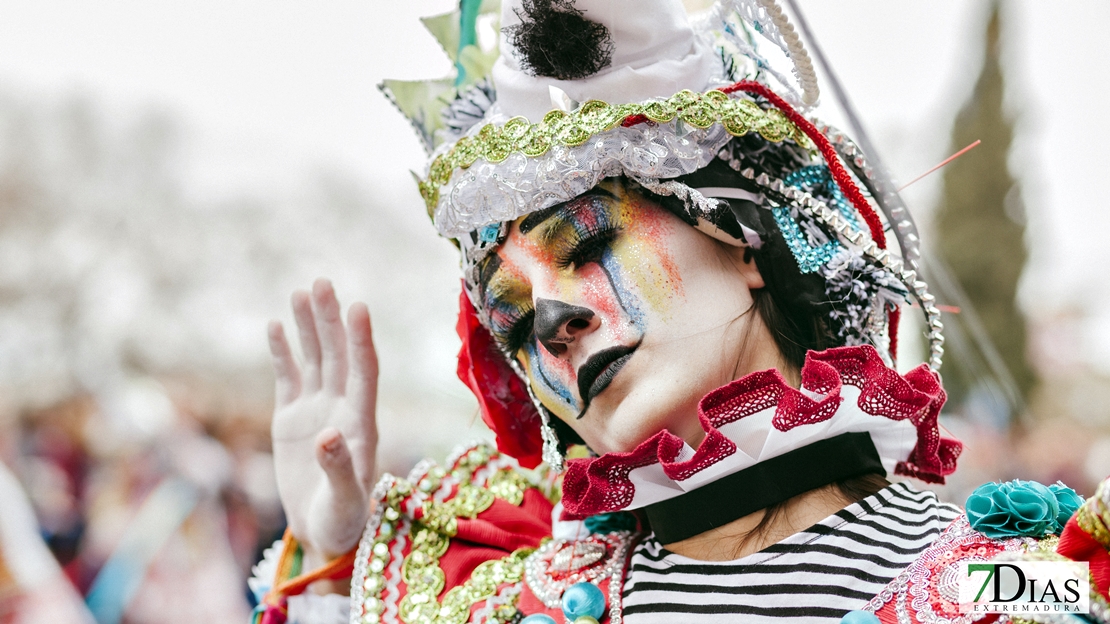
(557, 322)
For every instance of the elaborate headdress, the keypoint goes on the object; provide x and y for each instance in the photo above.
(576, 91)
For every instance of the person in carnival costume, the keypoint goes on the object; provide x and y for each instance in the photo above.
(676, 277)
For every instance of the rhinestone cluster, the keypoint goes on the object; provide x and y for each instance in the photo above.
(548, 580)
(809, 258)
(910, 591)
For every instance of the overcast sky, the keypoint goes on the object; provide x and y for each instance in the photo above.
(273, 91)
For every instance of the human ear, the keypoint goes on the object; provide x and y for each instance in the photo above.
(749, 270)
(742, 257)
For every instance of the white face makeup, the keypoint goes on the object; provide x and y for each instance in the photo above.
(622, 316)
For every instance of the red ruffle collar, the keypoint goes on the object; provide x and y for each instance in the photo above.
(602, 483)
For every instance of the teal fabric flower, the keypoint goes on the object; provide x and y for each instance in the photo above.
(1069, 502)
(1020, 509)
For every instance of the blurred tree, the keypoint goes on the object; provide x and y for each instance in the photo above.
(980, 224)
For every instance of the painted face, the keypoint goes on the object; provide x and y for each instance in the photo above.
(622, 315)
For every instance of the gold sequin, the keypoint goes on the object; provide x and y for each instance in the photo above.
(482, 585)
(509, 485)
(1094, 519)
(494, 144)
(430, 537)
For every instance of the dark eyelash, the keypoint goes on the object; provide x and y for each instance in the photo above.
(520, 332)
(589, 247)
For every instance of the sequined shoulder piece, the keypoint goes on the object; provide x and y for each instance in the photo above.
(928, 590)
(600, 559)
(448, 543)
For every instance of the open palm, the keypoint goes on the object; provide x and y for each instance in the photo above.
(324, 429)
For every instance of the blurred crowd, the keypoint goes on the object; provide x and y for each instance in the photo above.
(155, 501)
(144, 525)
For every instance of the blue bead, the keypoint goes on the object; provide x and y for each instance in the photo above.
(583, 599)
(538, 618)
(859, 617)
(490, 233)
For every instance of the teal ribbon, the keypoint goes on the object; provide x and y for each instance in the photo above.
(468, 34)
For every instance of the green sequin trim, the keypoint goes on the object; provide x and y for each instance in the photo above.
(701, 110)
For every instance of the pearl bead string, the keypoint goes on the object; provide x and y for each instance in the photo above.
(550, 454)
(803, 66)
(769, 20)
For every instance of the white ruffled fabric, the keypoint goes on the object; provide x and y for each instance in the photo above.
(487, 193)
(757, 440)
(314, 609)
(263, 572)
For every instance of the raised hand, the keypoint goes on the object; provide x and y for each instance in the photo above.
(324, 430)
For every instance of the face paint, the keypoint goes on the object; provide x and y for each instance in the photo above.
(643, 350)
(547, 378)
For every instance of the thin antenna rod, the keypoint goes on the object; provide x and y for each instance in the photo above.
(942, 163)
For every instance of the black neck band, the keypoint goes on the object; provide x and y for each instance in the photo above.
(767, 483)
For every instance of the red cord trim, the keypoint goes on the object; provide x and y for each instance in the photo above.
(892, 319)
(839, 173)
(836, 169)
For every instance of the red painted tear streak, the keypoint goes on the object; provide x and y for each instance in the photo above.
(596, 293)
(601, 484)
(560, 376)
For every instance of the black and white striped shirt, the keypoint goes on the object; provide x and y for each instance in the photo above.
(816, 575)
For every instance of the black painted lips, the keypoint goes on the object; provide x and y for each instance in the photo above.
(594, 376)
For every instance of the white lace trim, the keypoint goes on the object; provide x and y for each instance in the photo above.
(487, 193)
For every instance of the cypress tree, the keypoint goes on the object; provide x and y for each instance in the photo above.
(980, 223)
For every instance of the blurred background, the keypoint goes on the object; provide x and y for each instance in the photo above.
(170, 173)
